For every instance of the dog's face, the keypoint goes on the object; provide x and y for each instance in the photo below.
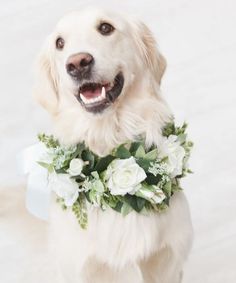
(93, 58)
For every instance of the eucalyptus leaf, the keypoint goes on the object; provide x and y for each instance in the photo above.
(152, 155)
(125, 209)
(144, 163)
(140, 153)
(122, 152)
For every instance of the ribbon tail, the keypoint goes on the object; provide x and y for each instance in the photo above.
(38, 193)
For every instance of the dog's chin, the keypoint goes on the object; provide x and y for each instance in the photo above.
(95, 97)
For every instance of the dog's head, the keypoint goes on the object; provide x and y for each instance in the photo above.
(93, 59)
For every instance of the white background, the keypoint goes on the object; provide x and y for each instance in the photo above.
(198, 38)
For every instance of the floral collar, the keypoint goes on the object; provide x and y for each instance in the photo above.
(130, 178)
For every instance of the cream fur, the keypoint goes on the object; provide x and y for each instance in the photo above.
(114, 249)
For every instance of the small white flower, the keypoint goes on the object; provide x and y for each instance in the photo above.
(59, 161)
(124, 176)
(64, 187)
(158, 168)
(76, 167)
(171, 148)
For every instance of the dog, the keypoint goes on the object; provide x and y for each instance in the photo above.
(99, 75)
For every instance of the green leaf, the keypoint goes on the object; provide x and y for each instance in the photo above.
(165, 203)
(182, 138)
(86, 155)
(134, 146)
(79, 150)
(144, 163)
(152, 155)
(167, 188)
(97, 186)
(122, 152)
(161, 206)
(118, 206)
(125, 209)
(103, 163)
(140, 153)
(135, 202)
(140, 203)
(176, 188)
(152, 180)
(87, 196)
(95, 174)
(49, 167)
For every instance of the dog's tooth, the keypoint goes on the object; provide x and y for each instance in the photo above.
(99, 98)
(103, 93)
(83, 98)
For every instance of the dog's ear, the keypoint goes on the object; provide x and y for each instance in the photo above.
(148, 50)
(46, 82)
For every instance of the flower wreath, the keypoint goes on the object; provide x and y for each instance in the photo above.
(131, 177)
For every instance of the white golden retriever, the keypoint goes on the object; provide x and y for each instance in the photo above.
(99, 76)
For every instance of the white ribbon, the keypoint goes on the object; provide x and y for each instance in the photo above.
(38, 192)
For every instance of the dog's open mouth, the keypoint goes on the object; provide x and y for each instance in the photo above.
(95, 97)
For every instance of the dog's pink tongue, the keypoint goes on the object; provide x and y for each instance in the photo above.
(92, 93)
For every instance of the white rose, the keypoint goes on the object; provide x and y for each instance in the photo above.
(171, 148)
(124, 176)
(64, 187)
(76, 167)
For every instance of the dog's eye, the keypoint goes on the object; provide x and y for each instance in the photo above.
(60, 42)
(105, 28)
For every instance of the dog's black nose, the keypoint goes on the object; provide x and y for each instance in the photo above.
(79, 65)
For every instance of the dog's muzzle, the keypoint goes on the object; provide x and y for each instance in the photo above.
(95, 96)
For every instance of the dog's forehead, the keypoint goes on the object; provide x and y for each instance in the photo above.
(89, 18)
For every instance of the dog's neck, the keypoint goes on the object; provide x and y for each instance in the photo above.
(133, 116)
